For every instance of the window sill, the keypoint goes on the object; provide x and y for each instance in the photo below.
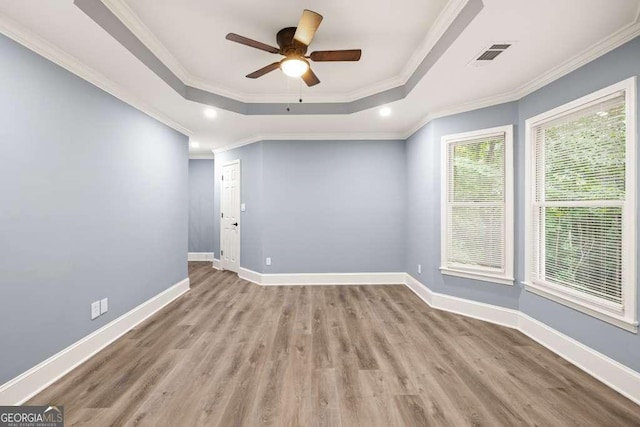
(581, 306)
(485, 277)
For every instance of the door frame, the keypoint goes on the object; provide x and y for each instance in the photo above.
(232, 162)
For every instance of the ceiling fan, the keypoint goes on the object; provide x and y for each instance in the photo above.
(294, 42)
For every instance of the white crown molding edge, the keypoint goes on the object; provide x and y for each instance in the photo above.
(36, 379)
(129, 18)
(601, 48)
(343, 136)
(605, 46)
(615, 375)
(200, 256)
(444, 20)
(201, 156)
(132, 21)
(35, 43)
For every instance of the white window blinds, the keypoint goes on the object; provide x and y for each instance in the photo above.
(581, 206)
(580, 192)
(476, 204)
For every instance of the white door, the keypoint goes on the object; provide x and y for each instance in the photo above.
(230, 217)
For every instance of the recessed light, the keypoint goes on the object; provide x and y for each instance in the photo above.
(210, 113)
(194, 144)
(385, 112)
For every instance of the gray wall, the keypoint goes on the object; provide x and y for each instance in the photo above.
(423, 210)
(616, 66)
(93, 197)
(320, 206)
(201, 205)
(334, 206)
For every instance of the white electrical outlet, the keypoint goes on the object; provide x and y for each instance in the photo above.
(268, 261)
(95, 309)
(419, 268)
(104, 305)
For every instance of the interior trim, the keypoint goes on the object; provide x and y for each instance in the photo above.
(28, 384)
(617, 376)
(109, 21)
(124, 13)
(35, 43)
(344, 136)
(304, 279)
(43, 48)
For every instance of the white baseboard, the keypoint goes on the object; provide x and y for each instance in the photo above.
(200, 256)
(612, 373)
(478, 310)
(36, 379)
(215, 263)
(304, 279)
(621, 378)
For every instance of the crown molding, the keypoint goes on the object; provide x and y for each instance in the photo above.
(444, 20)
(601, 48)
(201, 156)
(342, 136)
(37, 44)
(132, 21)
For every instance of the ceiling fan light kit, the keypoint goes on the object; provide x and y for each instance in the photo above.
(293, 43)
(294, 67)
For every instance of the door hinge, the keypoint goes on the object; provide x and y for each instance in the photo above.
(221, 253)
(223, 177)
(221, 214)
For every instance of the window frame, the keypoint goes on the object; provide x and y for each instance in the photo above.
(506, 275)
(626, 317)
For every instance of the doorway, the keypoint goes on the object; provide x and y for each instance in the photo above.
(230, 217)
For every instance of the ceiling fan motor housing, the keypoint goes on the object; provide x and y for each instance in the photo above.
(288, 45)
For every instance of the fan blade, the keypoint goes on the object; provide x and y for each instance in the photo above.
(264, 70)
(307, 27)
(310, 78)
(336, 55)
(251, 43)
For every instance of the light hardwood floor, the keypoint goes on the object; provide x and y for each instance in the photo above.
(231, 353)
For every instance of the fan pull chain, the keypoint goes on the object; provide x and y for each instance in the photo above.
(288, 90)
(300, 87)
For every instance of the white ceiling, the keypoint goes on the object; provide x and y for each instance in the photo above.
(193, 33)
(551, 37)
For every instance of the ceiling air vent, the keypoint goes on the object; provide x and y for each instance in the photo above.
(490, 53)
(503, 46)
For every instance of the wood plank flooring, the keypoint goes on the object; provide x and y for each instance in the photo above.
(231, 353)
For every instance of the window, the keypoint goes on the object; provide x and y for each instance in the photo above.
(580, 198)
(477, 205)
